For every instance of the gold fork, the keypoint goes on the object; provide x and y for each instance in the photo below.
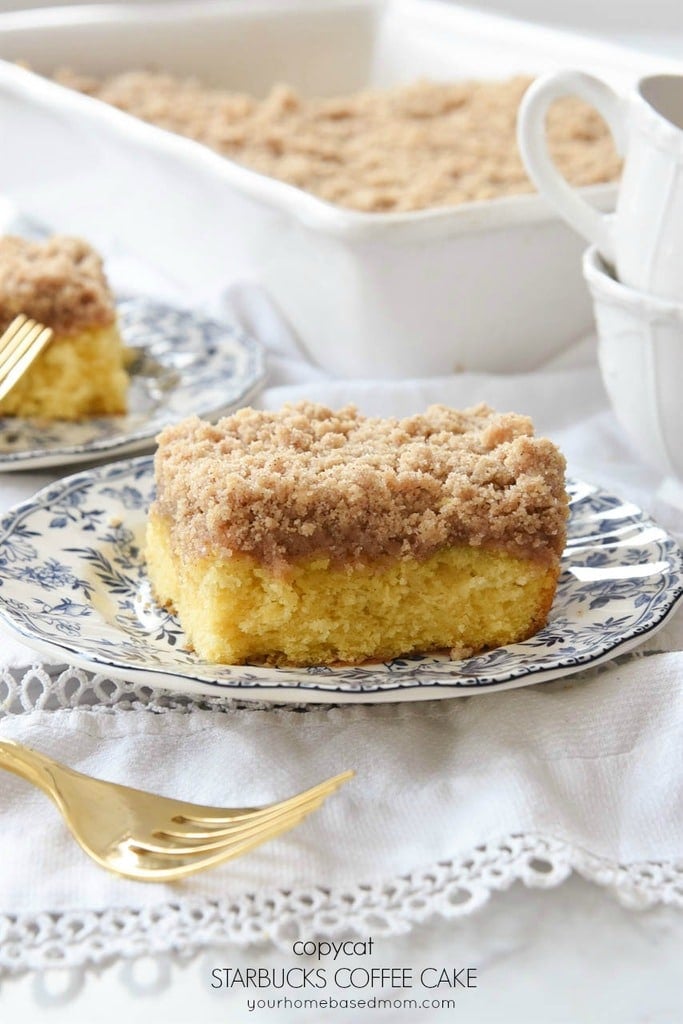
(20, 345)
(151, 838)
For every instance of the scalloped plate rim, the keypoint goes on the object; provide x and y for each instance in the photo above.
(401, 687)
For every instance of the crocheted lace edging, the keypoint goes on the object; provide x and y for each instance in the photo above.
(450, 889)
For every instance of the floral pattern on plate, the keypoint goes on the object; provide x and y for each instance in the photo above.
(182, 364)
(73, 584)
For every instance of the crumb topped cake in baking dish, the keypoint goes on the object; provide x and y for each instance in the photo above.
(306, 536)
(413, 146)
(81, 372)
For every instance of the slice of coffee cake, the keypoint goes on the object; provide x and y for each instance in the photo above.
(307, 536)
(61, 284)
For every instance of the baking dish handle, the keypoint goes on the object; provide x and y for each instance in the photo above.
(531, 138)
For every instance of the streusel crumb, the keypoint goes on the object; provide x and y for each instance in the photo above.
(302, 480)
(59, 282)
(410, 147)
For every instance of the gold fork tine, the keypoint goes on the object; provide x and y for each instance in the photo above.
(167, 867)
(18, 330)
(229, 825)
(140, 835)
(14, 336)
(20, 345)
(257, 831)
(297, 807)
(11, 331)
(19, 338)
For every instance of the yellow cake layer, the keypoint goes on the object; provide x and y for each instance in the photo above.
(236, 610)
(73, 377)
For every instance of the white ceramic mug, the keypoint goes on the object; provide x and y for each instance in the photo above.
(643, 240)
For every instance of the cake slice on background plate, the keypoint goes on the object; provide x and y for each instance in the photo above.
(81, 371)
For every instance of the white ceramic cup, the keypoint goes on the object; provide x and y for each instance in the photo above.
(643, 240)
(640, 351)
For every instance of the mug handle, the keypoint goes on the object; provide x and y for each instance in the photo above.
(584, 218)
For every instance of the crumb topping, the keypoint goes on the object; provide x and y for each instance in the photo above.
(305, 480)
(409, 147)
(59, 282)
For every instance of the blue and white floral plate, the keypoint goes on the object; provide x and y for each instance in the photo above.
(182, 364)
(73, 585)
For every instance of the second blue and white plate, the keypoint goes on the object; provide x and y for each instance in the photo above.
(182, 364)
(73, 585)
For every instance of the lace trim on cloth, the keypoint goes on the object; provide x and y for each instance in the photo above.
(48, 687)
(451, 889)
(53, 687)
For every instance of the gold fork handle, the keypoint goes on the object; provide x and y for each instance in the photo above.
(29, 765)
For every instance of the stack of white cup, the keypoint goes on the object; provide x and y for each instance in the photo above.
(634, 267)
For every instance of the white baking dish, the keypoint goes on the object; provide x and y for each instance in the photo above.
(486, 286)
